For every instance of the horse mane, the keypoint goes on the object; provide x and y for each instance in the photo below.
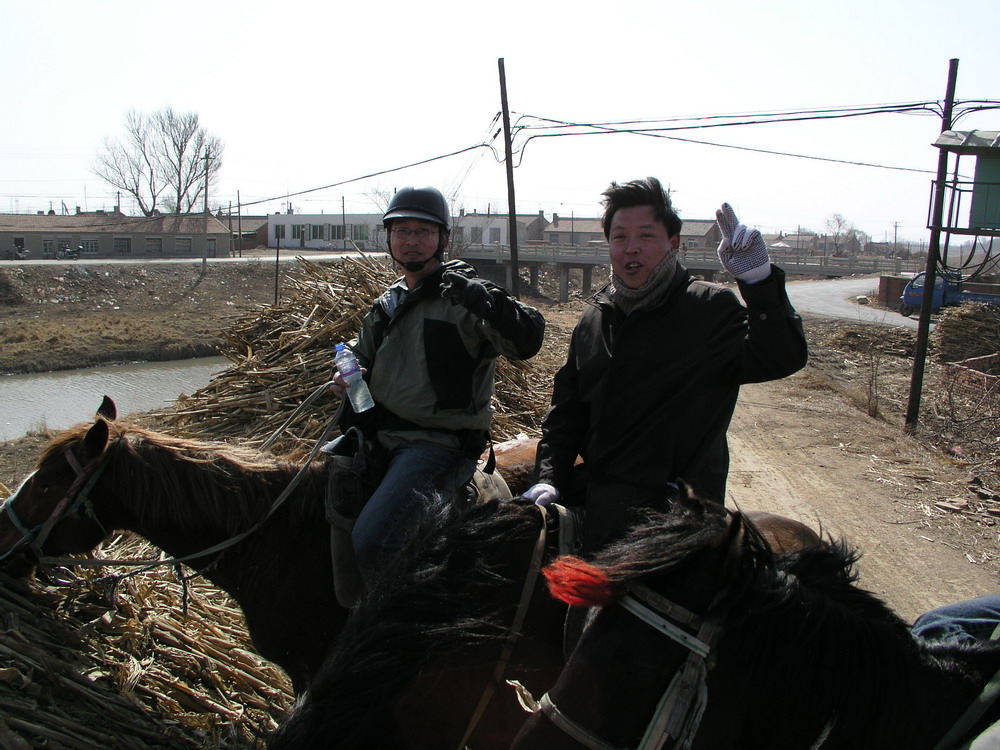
(658, 542)
(438, 596)
(236, 483)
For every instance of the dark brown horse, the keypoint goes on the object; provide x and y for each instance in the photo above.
(764, 652)
(417, 657)
(186, 497)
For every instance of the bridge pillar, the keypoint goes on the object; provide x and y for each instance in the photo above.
(533, 275)
(563, 283)
(588, 278)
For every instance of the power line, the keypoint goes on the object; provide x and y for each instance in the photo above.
(367, 176)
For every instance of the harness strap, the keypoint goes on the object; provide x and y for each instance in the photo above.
(527, 590)
(679, 712)
(579, 733)
(693, 643)
(660, 603)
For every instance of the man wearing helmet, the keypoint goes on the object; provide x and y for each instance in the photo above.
(429, 345)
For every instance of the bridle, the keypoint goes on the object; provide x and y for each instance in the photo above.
(77, 496)
(679, 711)
(87, 476)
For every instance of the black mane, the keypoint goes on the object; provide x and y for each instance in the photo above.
(439, 597)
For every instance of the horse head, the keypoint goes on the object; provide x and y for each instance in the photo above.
(52, 511)
(665, 591)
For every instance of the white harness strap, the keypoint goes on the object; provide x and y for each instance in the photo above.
(579, 733)
(679, 711)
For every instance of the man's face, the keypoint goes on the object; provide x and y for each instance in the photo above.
(638, 243)
(413, 240)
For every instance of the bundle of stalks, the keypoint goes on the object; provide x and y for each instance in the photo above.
(98, 660)
(967, 331)
(283, 353)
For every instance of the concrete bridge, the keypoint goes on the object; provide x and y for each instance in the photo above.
(701, 262)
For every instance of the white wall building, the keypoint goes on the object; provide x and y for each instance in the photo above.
(365, 231)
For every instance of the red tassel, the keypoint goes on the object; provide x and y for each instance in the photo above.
(579, 584)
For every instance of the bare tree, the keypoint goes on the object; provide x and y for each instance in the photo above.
(843, 235)
(161, 161)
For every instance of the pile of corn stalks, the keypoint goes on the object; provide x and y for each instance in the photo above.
(282, 354)
(91, 659)
(967, 331)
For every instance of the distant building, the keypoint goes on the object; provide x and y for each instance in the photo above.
(111, 234)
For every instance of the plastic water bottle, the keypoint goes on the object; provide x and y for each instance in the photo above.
(350, 370)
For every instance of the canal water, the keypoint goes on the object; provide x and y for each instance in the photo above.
(61, 399)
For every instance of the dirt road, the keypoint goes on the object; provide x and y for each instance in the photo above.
(801, 450)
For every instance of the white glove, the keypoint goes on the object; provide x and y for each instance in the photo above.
(742, 250)
(541, 494)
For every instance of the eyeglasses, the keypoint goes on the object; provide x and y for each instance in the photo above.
(421, 234)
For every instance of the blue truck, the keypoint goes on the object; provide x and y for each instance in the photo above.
(947, 291)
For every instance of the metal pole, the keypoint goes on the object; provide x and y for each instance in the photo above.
(515, 270)
(930, 272)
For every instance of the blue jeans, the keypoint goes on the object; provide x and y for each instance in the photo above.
(417, 473)
(965, 622)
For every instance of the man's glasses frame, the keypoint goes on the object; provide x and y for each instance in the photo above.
(421, 234)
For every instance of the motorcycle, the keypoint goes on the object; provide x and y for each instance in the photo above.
(69, 253)
(18, 253)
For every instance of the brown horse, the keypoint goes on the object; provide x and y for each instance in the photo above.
(191, 499)
(423, 649)
(185, 497)
(764, 652)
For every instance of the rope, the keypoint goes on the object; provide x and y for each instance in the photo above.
(149, 564)
(515, 629)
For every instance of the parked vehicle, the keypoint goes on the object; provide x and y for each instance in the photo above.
(18, 253)
(947, 291)
(70, 253)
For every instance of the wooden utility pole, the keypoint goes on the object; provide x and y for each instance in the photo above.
(933, 253)
(515, 269)
(239, 223)
(204, 253)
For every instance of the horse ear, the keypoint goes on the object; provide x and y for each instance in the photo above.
(96, 440)
(107, 409)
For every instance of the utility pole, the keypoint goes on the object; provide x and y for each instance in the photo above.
(204, 253)
(239, 223)
(933, 252)
(515, 268)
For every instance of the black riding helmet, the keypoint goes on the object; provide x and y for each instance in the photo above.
(425, 203)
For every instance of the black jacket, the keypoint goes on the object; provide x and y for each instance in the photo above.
(646, 399)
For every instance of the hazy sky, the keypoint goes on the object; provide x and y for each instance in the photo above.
(309, 94)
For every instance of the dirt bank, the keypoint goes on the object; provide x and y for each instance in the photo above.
(58, 317)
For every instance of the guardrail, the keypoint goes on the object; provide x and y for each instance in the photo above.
(698, 260)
